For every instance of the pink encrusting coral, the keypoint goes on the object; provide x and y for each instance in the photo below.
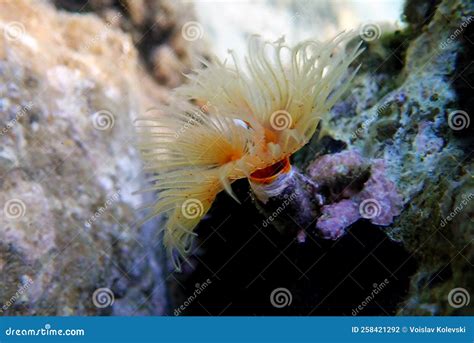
(367, 192)
(336, 218)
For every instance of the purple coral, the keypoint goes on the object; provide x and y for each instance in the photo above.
(375, 198)
(336, 217)
(379, 188)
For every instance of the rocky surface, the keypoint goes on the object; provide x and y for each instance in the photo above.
(165, 33)
(409, 108)
(363, 187)
(70, 86)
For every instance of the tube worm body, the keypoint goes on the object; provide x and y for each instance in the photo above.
(287, 198)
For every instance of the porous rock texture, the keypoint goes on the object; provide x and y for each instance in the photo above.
(70, 86)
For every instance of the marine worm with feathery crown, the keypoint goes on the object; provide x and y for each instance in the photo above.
(234, 121)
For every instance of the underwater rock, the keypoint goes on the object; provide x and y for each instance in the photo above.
(363, 187)
(68, 92)
(166, 34)
(167, 68)
(336, 218)
(426, 141)
(407, 115)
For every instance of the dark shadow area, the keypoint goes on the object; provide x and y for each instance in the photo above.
(246, 262)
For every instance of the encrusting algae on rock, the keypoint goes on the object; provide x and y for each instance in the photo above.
(236, 121)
